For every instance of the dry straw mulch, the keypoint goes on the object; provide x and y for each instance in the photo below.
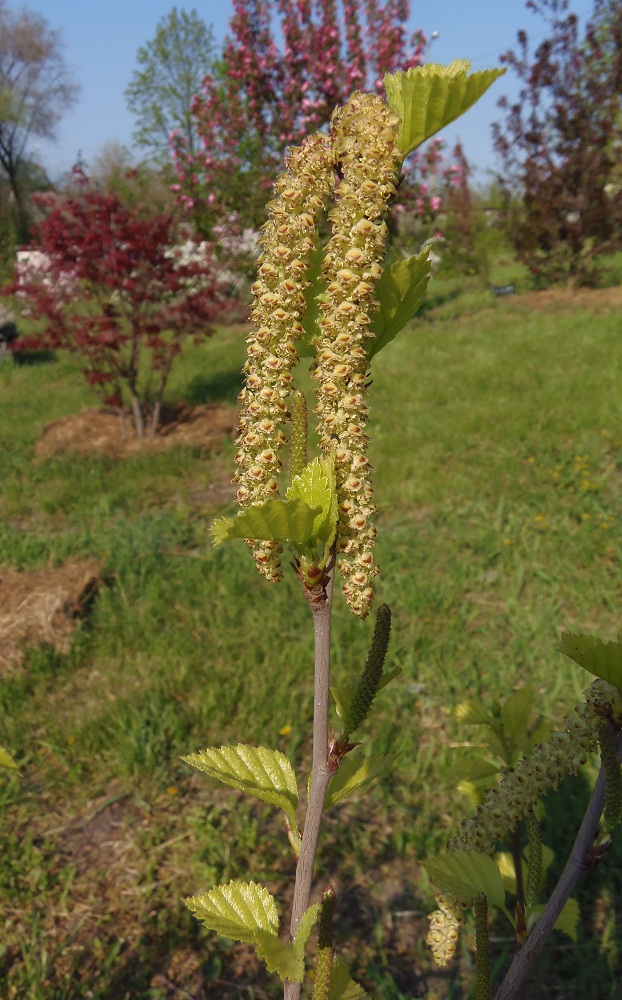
(96, 431)
(43, 606)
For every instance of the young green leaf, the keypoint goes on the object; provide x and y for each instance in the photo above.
(246, 911)
(567, 921)
(464, 874)
(428, 97)
(400, 291)
(473, 713)
(604, 659)
(316, 487)
(237, 910)
(275, 520)
(6, 761)
(285, 958)
(354, 774)
(515, 713)
(264, 773)
(342, 987)
(473, 767)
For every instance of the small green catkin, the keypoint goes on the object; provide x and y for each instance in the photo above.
(298, 409)
(534, 861)
(482, 948)
(613, 790)
(324, 964)
(372, 671)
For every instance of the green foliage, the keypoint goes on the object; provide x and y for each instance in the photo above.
(307, 519)
(278, 520)
(245, 911)
(342, 987)
(356, 773)
(464, 874)
(428, 97)
(603, 659)
(267, 774)
(6, 761)
(400, 292)
(512, 727)
(316, 487)
(171, 67)
(567, 922)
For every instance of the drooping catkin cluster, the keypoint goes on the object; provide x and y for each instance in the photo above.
(288, 239)
(364, 134)
(445, 923)
(518, 792)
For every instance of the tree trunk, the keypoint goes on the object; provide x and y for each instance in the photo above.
(139, 423)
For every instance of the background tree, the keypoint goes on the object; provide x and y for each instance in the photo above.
(270, 94)
(119, 290)
(141, 185)
(559, 143)
(170, 70)
(35, 89)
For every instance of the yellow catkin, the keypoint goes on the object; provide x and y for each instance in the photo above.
(518, 792)
(364, 135)
(288, 240)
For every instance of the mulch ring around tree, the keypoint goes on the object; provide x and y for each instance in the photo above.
(43, 606)
(99, 431)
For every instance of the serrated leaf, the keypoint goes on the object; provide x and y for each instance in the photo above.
(428, 97)
(473, 713)
(246, 911)
(342, 986)
(603, 659)
(287, 959)
(400, 291)
(464, 874)
(6, 761)
(316, 486)
(473, 767)
(265, 773)
(515, 713)
(567, 921)
(355, 774)
(238, 910)
(275, 520)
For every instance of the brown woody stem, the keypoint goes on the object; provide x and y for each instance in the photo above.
(575, 867)
(320, 775)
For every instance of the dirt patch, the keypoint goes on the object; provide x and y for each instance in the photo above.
(569, 299)
(99, 431)
(43, 606)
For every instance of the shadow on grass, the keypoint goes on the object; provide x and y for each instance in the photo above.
(588, 969)
(31, 358)
(223, 387)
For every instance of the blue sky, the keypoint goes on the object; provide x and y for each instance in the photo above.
(102, 38)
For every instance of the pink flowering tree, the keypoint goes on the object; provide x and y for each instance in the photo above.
(269, 97)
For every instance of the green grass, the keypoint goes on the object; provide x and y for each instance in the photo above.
(497, 440)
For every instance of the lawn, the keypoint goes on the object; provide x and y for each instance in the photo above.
(496, 430)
